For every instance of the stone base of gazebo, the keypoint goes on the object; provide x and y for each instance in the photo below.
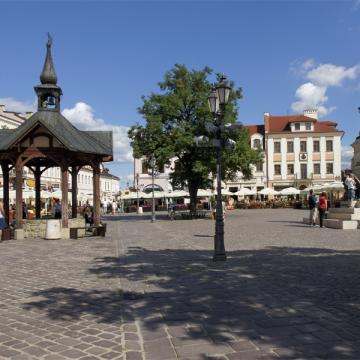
(37, 229)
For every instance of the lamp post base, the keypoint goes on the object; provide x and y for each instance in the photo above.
(219, 257)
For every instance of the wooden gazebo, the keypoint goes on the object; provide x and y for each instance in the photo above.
(47, 139)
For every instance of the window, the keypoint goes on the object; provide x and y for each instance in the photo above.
(256, 143)
(277, 169)
(290, 169)
(308, 126)
(316, 146)
(302, 146)
(329, 145)
(329, 168)
(144, 167)
(317, 169)
(297, 126)
(259, 166)
(290, 146)
(303, 171)
(277, 147)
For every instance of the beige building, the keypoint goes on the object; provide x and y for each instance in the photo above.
(301, 151)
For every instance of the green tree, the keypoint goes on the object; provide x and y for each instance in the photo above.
(174, 117)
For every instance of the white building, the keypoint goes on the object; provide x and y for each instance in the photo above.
(299, 151)
(50, 179)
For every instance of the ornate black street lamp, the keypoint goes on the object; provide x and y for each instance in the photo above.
(137, 193)
(220, 132)
(152, 164)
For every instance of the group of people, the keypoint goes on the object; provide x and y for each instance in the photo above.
(319, 206)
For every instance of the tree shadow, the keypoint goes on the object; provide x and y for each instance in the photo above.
(303, 302)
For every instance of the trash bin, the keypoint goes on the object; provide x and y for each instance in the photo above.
(53, 229)
(140, 210)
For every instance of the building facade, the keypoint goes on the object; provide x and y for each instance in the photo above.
(298, 150)
(50, 179)
(355, 162)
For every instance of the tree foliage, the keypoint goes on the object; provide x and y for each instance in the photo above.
(177, 114)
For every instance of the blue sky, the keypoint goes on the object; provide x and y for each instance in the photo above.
(285, 55)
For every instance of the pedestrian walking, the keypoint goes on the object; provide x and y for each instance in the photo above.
(313, 210)
(322, 208)
(2, 219)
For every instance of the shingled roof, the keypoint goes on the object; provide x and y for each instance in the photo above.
(92, 142)
(280, 124)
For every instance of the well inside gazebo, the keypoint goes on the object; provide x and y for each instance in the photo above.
(47, 139)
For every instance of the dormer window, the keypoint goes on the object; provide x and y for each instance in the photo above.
(297, 126)
(308, 126)
(256, 143)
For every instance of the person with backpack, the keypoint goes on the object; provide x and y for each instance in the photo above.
(313, 210)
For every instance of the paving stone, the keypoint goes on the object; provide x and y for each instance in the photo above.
(72, 354)
(280, 287)
(35, 351)
(8, 353)
(133, 355)
(132, 345)
(131, 336)
(159, 349)
(203, 349)
(95, 350)
(105, 343)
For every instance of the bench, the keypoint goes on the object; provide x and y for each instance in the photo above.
(99, 230)
(185, 214)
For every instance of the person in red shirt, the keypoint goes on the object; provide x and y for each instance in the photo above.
(322, 208)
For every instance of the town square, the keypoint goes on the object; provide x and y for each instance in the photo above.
(171, 189)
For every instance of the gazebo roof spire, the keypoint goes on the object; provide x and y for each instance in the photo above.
(48, 74)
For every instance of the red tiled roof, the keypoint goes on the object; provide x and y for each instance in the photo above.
(279, 124)
(255, 129)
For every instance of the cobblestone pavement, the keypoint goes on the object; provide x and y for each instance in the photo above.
(150, 291)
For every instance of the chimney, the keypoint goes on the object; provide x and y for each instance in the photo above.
(2, 108)
(266, 114)
(311, 113)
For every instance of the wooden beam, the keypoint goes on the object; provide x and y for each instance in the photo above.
(96, 193)
(5, 172)
(64, 193)
(19, 197)
(37, 175)
(74, 190)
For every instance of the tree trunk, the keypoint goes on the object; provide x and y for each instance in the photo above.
(193, 189)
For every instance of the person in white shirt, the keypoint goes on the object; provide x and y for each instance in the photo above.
(351, 187)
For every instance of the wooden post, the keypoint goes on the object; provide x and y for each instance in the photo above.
(96, 193)
(37, 175)
(5, 172)
(64, 193)
(74, 190)
(19, 197)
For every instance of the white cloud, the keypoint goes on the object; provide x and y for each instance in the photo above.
(312, 94)
(347, 153)
(332, 75)
(12, 104)
(82, 116)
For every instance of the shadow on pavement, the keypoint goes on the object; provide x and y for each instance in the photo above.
(304, 302)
